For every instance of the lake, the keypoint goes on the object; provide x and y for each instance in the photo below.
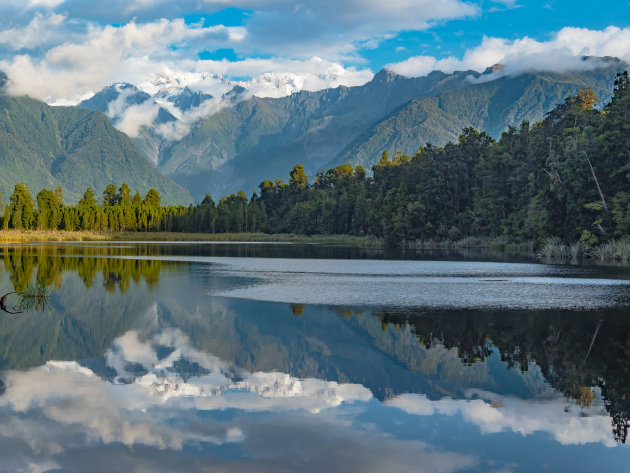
(243, 357)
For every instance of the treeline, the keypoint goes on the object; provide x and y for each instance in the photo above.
(566, 176)
(117, 211)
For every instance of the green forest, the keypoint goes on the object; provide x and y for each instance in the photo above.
(564, 181)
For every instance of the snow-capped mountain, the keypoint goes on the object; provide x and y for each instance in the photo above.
(213, 134)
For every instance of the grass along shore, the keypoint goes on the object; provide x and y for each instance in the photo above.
(552, 250)
(25, 236)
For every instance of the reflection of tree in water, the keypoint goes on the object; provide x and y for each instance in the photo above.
(47, 265)
(297, 309)
(86, 314)
(574, 350)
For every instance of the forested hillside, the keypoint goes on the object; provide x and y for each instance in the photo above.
(241, 139)
(45, 146)
(490, 105)
(567, 176)
(262, 137)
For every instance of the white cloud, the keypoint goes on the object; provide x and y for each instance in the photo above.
(39, 31)
(493, 413)
(178, 129)
(336, 29)
(505, 5)
(140, 53)
(72, 53)
(562, 53)
(44, 3)
(72, 69)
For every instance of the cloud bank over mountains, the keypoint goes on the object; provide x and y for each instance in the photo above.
(63, 51)
(562, 53)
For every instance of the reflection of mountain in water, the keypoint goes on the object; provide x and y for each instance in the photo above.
(437, 353)
(340, 346)
(137, 399)
(573, 350)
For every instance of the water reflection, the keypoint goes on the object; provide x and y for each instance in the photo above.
(212, 413)
(48, 263)
(272, 417)
(160, 373)
(574, 351)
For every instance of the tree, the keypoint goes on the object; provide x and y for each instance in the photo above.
(587, 98)
(124, 195)
(152, 198)
(109, 196)
(49, 215)
(298, 180)
(88, 199)
(22, 208)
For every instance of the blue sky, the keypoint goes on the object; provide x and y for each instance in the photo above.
(62, 50)
(538, 19)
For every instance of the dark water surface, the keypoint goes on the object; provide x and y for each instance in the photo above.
(309, 358)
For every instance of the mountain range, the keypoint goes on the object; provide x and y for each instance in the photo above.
(232, 139)
(232, 142)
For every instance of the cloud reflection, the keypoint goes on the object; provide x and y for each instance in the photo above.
(51, 417)
(494, 413)
(138, 409)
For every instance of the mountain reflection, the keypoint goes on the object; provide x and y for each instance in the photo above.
(575, 351)
(140, 354)
(107, 405)
(82, 409)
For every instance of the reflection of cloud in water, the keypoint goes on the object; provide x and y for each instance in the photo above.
(66, 416)
(53, 415)
(493, 413)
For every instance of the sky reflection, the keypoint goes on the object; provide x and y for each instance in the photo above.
(52, 415)
(62, 407)
(149, 366)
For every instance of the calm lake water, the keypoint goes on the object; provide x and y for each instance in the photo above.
(309, 358)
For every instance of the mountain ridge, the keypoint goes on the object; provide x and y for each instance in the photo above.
(406, 129)
(44, 146)
(260, 138)
(217, 144)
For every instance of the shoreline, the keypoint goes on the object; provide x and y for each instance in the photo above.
(607, 253)
(40, 236)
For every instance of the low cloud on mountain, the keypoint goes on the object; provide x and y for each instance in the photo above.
(563, 53)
